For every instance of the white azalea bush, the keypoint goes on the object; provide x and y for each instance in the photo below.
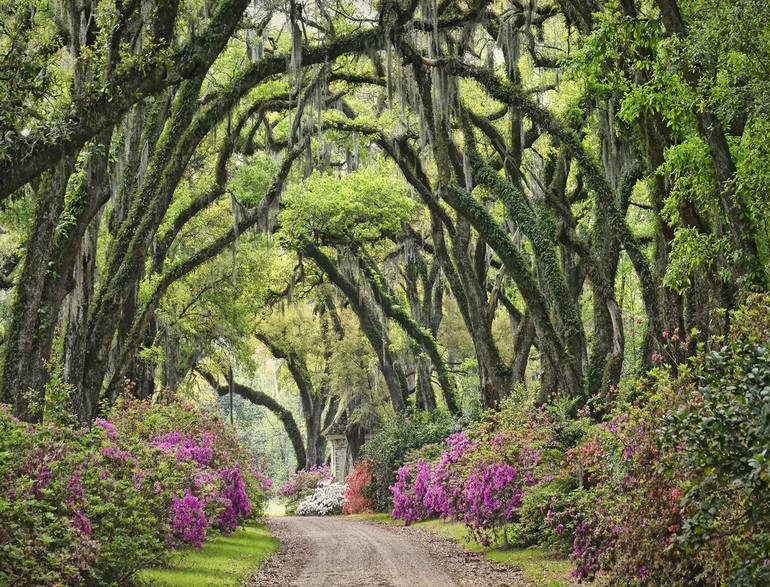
(326, 500)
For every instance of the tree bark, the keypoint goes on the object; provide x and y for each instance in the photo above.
(106, 107)
(373, 329)
(19, 385)
(259, 398)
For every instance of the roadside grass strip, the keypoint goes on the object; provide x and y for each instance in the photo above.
(223, 561)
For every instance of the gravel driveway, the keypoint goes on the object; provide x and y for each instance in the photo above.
(338, 551)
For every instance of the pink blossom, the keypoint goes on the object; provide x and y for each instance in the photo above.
(81, 523)
(189, 520)
(108, 427)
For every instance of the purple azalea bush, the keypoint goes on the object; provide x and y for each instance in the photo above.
(661, 482)
(81, 506)
(481, 483)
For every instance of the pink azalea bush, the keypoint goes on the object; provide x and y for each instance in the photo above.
(479, 479)
(663, 481)
(82, 506)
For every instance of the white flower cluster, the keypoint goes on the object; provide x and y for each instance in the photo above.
(326, 500)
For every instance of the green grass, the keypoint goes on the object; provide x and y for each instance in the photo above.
(538, 566)
(223, 561)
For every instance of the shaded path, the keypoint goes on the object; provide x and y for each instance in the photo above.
(337, 551)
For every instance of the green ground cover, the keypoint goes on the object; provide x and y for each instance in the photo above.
(223, 561)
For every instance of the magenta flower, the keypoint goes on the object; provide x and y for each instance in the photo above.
(108, 427)
(81, 523)
(233, 494)
(265, 482)
(186, 447)
(115, 454)
(189, 520)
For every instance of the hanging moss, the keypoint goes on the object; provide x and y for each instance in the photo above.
(518, 99)
(422, 336)
(540, 233)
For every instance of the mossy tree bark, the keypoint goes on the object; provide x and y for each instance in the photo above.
(373, 328)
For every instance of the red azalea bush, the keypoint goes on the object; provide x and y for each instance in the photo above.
(357, 483)
(92, 507)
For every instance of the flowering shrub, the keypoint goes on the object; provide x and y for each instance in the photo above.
(390, 447)
(480, 478)
(409, 492)
(711, 481)
(670, 487)
(326, 500)
(306, 480)
(91, 507)
(265, 482)
(189, 520)
(356, 484)
(302, 484)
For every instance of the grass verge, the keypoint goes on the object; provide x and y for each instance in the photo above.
(223, 561)
(538, 566)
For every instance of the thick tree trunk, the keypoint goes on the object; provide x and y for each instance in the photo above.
(126, 257)
(493, 384)
(606, 359)
(356, 435)
(78, 301)
(500, 242)
(312, 403)
(21, 360)
(426, 399)
(493, 373)
(522, 345)
(53, 257)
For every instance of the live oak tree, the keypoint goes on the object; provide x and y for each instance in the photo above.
(456, 197)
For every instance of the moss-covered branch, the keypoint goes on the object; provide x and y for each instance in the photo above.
(420, 335)
(370, 325)
(259, 398)
(515, 97)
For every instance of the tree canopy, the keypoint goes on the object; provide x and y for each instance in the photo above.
(411, 205)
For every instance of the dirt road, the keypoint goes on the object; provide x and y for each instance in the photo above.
(336, 551)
